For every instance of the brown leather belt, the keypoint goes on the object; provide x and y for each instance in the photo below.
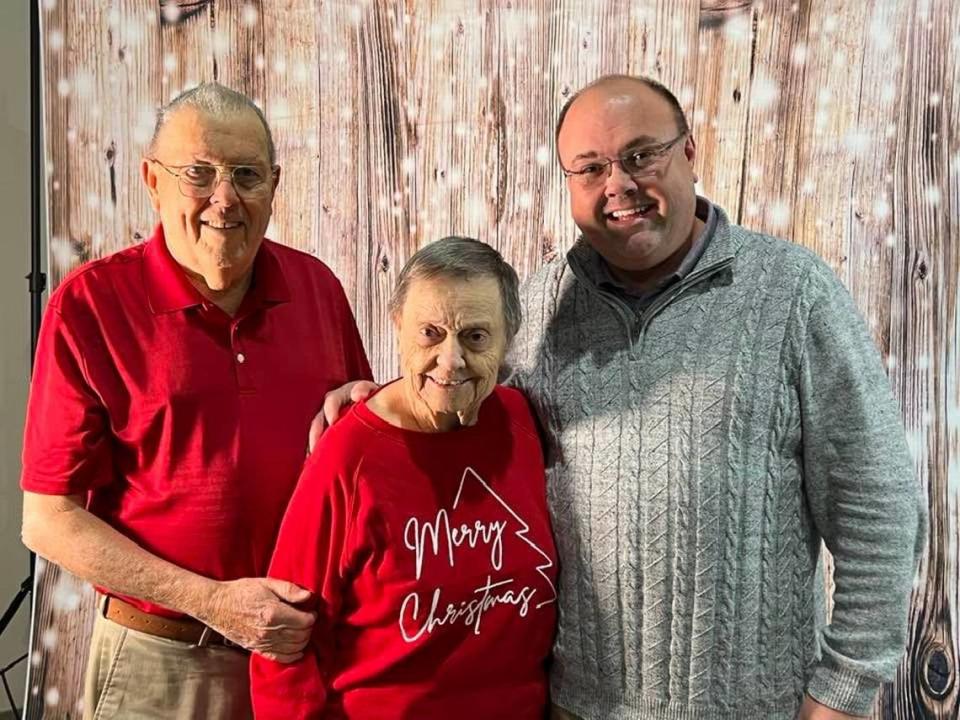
(185, 629)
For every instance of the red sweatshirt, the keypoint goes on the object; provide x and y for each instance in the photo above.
(433, 566)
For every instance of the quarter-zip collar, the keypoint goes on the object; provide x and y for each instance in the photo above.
(718, 255)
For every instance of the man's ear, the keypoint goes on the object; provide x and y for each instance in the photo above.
(690, 149)
(148, 173)
(690, 152)
(276, 177)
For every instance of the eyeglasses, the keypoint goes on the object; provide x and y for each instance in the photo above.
(200, 181)
(637, 162)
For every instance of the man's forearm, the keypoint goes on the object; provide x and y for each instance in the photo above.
(86, 546)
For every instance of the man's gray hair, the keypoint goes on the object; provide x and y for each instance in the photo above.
(212, 98)
(464, 258)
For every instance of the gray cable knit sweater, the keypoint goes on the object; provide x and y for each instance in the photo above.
(697, 457)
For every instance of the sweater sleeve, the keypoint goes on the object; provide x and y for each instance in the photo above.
(312, 551)
(864, 498)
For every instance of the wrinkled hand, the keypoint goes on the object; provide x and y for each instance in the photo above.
(257, 614)
(334, 402)
(812, 710)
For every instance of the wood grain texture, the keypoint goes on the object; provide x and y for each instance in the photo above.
(835, 123)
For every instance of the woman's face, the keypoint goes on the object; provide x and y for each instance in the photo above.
(452, 338)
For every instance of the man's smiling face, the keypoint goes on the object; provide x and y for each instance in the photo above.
(634, 222)
(214, 238)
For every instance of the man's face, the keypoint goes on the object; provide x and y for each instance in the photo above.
(215, 238)
(635, 223)
(452, 338)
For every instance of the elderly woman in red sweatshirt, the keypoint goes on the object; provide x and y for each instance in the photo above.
(420, 523)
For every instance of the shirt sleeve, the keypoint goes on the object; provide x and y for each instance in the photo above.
(311, 551)
(66, 446)
(864, 498)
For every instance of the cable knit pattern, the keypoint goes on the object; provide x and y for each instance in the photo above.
(697, 458)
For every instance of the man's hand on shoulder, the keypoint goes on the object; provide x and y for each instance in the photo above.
(813, 710)
(334, 403)
(259, 615)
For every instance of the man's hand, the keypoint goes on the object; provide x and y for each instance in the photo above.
(812, 710)
(334, 402)
(257, 613)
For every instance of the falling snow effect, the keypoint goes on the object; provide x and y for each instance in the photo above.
(431, 178)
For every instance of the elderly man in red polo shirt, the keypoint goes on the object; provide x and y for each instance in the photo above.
(174, 386)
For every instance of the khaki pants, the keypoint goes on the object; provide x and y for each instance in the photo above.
(136, 676)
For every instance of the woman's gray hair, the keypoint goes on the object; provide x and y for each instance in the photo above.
(465, 258)
(212, 98)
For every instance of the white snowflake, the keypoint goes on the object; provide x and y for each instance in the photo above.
(686, 95)
(737, 27)
(932, 195)
(543, 155)
(778, 214)
(220, 42)
(888, 93)
(49, 5)
(807, 188)
(55, 40)
(63, 87)
(171, 12)
(52, 697)
(763, 93)
(880, 32)
(890, 240)
(248, 16)
(83, 83)
(49, 638)
(143, 129)
(799, 54)
(856, 141)
(525, 200)
(408, 166)
(881, 209)
(169, 62)
(476, 211)
(935, 99)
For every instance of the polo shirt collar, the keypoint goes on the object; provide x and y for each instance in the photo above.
(169, 289)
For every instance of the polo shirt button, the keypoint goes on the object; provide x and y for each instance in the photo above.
(240, 357)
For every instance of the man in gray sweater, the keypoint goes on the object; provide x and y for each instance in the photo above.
(714, 408)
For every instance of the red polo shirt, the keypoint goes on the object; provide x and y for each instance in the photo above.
(185, 427)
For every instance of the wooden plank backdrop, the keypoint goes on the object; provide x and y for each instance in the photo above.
(833, 123)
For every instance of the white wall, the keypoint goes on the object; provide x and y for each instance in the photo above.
(14, 316)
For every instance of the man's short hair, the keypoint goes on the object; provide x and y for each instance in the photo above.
(659, 88)
(463, 258)
(212, 98)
